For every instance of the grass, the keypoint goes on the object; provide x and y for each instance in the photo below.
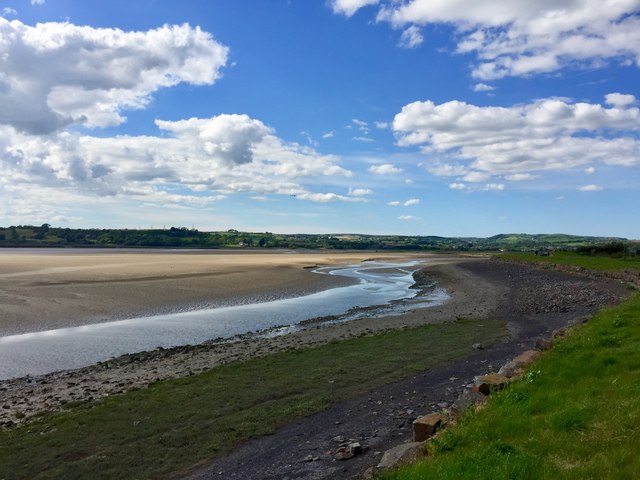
(172, 426)
(600, 263)
(575, 415)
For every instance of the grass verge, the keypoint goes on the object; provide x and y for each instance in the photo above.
(599, 263)
(575, 415)
(174, 425)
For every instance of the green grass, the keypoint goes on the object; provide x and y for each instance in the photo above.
(600, 263)
(175, 425)
(576, 414)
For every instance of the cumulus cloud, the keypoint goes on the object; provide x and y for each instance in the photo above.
(590, 170)
(349, 7)
(381, 125)
(213, 156)
(328, 134)
(385, 169)
(408, 217)
(620, 100)
(412, 201)
(457, 186)
(8, 11)
(522, 141)
(394, 203)
(58, 74)
(521, 37)
(37, 2)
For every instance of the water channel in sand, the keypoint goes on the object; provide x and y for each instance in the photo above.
(380, 283)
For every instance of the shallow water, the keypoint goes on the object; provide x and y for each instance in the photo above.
(68, 348)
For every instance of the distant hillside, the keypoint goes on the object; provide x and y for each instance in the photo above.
(181, 237)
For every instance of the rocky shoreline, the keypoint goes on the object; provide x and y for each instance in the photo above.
(531, 302)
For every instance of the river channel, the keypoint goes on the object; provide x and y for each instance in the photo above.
(384, 284)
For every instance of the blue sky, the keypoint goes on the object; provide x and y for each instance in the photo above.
(430, 117)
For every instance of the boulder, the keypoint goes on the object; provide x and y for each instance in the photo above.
(401, 455)
(516, 366)
(426, 426)
(467, 399)
(491, 382)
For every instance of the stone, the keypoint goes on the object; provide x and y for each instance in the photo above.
(516, 366)
(355, 448)
(485, 384)
(543, 344)
(477, 346)
(426, 426)
(559, 333)
(467, 399)
(403, 454)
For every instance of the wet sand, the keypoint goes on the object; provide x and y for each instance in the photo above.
(472, 297)
(48, 289)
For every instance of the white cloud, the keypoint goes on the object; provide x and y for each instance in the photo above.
(350, 7)
(328, 134)
(620, 100)
(362, 139)
(411, 37)
(360, 192)
(394, 203)
(384, 169)
(408, 217)
(522, 141)
(381, 125)
(483, 87)
(412, 201)
(521, 37)
(494, 187)
(88, 76)
(590, 170)
(476, 177)
(457, 186)
(560, 197)
(590, 188)
(521, 177)
(211, 157)
(361, 124)
(8, 11)
(37, 2)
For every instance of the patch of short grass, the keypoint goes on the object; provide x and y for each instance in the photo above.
(175, 425)
(574, 416)
(596, 262)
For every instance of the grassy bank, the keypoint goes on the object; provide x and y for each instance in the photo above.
(174, 425)
(599, 263)
(574, 416)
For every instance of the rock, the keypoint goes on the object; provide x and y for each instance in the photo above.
(401, 455)
(477, 346)
(343, 453)
(355, 448)
(543, 344)
(426, 426)
(559, 333)
(485, 384)
(311, 458)
(467, 399)
(516, 366)
(338, 439)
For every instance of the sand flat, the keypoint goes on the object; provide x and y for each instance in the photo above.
(47, 289)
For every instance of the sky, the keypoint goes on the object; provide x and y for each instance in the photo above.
(408, 117)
